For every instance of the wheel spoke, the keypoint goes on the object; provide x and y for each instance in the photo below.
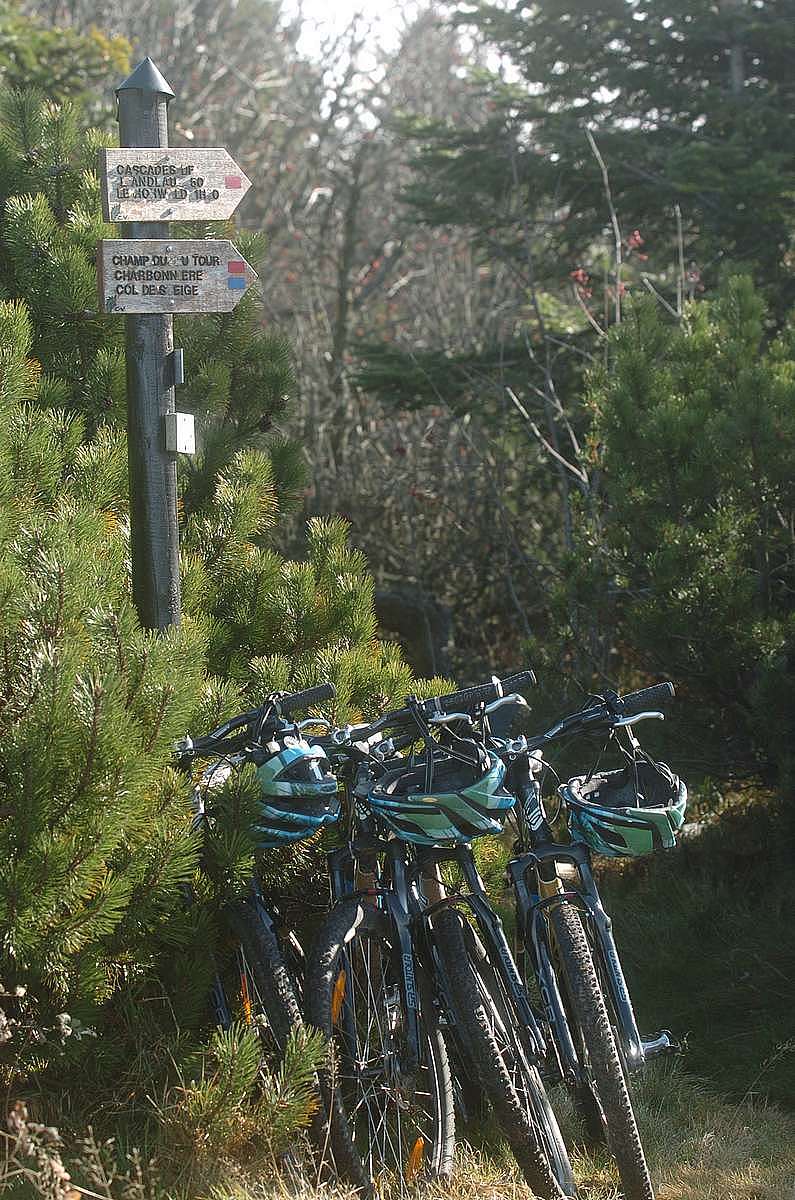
(389, 1116)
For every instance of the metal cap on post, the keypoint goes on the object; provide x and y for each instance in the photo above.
(154, 531)
(146, 78)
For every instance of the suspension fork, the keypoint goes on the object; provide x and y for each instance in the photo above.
(340, 870)
(546, 855)
(535, 944)
(543, 861)
(608, 955)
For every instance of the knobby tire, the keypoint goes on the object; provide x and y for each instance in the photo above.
(589, 1010)
(349, 925)
(534, 1142)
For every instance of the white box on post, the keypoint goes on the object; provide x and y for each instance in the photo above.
(180, 433)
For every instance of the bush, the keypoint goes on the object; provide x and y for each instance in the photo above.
(685, 562)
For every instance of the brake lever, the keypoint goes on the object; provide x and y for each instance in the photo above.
(633, 720)
(501, 701)
(450, 718)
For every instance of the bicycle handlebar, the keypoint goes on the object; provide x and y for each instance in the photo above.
(283, 704)
(312, 695)
(467, 699)
(646, 698)
(483, 693)
(605, 711)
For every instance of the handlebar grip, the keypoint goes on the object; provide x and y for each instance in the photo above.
(310, 696)
(482, 693)
(645, 699)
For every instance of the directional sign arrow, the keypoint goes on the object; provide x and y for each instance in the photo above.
(171, 276)
(170, 185)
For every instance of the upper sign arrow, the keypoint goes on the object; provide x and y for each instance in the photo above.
(170, 185)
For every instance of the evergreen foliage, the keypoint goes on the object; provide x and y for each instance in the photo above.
(684, 565)
(689, 103)
(59, 63)
(94, 832)
(224, 1110)
(90, 707)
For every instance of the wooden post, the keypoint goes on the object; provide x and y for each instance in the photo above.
(154, 530)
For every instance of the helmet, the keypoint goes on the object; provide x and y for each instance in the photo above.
(630, 811)
(466, 799)
(298, 794)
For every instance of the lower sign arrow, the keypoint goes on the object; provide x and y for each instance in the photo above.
(171, 276)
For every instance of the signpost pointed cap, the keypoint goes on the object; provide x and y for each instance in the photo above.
(146, 78)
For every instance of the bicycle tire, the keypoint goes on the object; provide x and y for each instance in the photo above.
(275, 992)
(610, 1084)
(352, 936)
(534, 1139)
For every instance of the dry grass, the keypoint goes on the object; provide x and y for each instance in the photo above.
(700, 1148)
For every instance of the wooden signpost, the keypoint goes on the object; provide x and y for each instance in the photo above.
(170, 185)
(147, 277)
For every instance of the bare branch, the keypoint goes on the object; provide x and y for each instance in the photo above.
(613, 219)
(660, 298)
(577, 472)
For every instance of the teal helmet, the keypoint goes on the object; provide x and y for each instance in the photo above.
(465, 799)
(298, 794)
(631, 811)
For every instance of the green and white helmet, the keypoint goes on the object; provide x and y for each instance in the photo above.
(632, 811)
(298, 793)
(465, 800)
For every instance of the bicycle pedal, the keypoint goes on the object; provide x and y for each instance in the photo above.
(662, 1043)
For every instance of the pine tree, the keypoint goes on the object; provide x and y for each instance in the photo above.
(690, 104)
(56, 62)
(94, 833)
(684, 562)
(90, 704)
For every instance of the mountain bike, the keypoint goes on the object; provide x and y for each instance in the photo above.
(397, 979)
(566, 935)
(258, 964)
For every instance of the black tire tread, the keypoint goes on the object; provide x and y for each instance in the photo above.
(275, 985)
(590, 1010)
(488, 1061)
(265, 959)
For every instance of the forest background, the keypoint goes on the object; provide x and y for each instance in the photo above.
(525, 324)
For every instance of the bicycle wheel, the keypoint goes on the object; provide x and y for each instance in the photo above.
(263, 992)
(606, 1078)
(386, 1117)
(502, 1063)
